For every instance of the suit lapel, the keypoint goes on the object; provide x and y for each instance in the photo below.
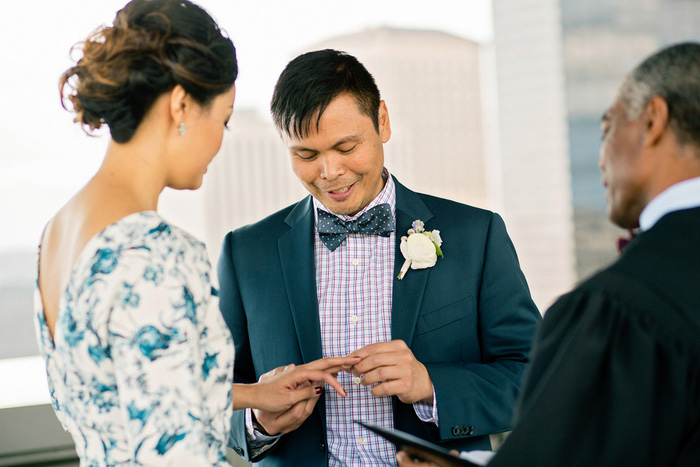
(408, 292)
(296, 250)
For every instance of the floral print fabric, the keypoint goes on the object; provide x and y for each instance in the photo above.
(140, 368)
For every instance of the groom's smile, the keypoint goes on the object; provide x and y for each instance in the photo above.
(341, 162)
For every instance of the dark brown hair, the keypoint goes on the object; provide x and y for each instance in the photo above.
(152, 46)
(311, 81)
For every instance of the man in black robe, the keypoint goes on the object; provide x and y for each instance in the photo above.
(615, 377)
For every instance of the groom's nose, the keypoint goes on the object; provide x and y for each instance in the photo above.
(331, 166)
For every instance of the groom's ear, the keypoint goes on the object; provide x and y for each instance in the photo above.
(383, 120)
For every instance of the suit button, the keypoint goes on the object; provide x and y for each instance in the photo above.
(462, 430)
(238, 450)
(322, 445)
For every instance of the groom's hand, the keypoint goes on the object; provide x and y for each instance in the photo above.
(392, 370)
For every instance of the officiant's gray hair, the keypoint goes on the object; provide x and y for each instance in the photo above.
(674, 75)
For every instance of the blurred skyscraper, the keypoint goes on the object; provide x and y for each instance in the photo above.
(603, 40)
(446, 134)
(250, 178)
(431, 83)
(531, 142)
(510, 126)
(585, 49)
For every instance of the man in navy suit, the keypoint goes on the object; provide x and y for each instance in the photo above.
(442, 348)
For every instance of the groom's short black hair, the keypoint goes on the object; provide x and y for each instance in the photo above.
(311, 81)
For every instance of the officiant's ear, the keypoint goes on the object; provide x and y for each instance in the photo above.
(656, 120)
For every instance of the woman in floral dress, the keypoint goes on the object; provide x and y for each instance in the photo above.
(139, 359)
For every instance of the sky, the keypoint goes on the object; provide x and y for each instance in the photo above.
(45, 158)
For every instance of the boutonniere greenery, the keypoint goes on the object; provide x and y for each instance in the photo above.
(420, 248)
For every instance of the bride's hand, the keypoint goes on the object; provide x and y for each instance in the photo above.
(281, 388)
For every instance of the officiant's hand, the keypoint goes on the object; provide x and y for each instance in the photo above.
(392, 370)
(286, 396)
(405, 460)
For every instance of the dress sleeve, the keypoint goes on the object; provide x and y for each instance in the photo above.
(165, 366)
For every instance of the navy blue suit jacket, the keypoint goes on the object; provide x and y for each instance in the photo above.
(469, 319)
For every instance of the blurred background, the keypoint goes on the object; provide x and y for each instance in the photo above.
(494, 103)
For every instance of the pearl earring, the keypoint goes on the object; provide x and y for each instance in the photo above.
(181, 128)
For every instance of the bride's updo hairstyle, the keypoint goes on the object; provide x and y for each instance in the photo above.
(152, 46)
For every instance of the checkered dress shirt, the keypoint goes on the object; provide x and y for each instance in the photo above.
(354, 284)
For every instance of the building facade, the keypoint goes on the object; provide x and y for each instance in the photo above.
(602, 41)
(458, 131)
(532, 142)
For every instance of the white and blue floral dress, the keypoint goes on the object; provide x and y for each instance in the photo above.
(140, 368)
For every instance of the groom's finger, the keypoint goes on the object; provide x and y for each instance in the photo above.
(332, 364)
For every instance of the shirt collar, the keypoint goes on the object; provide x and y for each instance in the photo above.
(387, 195)
(682, 195)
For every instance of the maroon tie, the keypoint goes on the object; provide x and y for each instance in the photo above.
(623, 241)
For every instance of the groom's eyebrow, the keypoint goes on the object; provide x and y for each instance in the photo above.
(345, 139)
(301, 148)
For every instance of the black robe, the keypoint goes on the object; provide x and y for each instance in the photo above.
(615, 377)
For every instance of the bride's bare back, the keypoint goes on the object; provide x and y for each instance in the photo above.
(68, 233)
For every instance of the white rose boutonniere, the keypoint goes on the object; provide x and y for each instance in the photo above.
(420, 248)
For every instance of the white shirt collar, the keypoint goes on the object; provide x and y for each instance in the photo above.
(682, 195)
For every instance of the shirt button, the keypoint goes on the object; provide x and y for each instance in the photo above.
(354, 319)
(360, 441)
(356, 380)
(355, 262)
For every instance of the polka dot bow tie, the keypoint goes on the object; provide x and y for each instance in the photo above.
(334, 230)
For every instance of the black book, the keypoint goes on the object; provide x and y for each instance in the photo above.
(417, 448)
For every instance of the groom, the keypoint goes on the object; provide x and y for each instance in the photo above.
(443, 348)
